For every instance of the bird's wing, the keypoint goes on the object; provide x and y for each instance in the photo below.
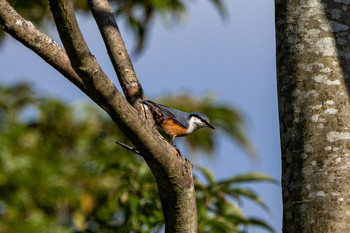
(179, 116)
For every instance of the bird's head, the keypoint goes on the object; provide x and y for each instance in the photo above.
(199, 120)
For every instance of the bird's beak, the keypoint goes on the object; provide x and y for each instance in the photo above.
(209, 125)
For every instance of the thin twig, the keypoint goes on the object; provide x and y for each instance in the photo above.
(130, 148)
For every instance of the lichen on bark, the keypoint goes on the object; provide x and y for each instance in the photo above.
(314, 114)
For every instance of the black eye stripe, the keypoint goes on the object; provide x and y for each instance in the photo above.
(198, 117)
(203, 120)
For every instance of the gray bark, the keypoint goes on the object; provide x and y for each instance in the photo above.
(172, 171)
(117, 52)
(312, 39)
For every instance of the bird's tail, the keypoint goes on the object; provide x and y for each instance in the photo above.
(149, 103)
(153, 107)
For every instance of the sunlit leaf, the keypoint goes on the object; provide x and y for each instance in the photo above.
(248, 177)
(244, 192)
(261, 223)
(220, 224)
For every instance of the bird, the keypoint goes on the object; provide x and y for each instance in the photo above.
(177, 123)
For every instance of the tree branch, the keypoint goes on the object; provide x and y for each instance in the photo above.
(129, 148)
(26, 33)
(117, 52)
(172, 171)
(98, 86)
(83, 62)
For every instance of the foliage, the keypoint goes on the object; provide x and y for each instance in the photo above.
(138, 14)
(61, 171)
(216, 213)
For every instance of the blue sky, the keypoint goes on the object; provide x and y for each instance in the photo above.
(234, 59)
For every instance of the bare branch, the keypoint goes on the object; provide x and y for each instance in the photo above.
(117, 52)
(172, 171)
(129, 148)
(26, 33)
(98, 86)
(83, 62)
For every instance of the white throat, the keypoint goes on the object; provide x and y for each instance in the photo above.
(194, 124)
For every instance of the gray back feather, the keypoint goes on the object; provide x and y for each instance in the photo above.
(182, 118)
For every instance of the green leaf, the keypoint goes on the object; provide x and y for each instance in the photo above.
(209, 175)
(67, 151)
(221, 224)
(238, 192)
(260, 223)
(220, 6)
(248, 177)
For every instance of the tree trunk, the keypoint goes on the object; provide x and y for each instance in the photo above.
(312, 70)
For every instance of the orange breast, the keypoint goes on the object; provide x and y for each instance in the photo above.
(171, 128)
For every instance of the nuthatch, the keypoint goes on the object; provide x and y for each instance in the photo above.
(176, 123)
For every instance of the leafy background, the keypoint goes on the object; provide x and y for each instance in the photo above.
(60, 171)
(235, 58)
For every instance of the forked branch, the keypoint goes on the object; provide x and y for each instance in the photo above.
(172, 171)
(117, 52)
(26, 33)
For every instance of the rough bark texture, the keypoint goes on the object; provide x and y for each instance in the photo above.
(172, 171)
(312, 69)
(117, 52)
